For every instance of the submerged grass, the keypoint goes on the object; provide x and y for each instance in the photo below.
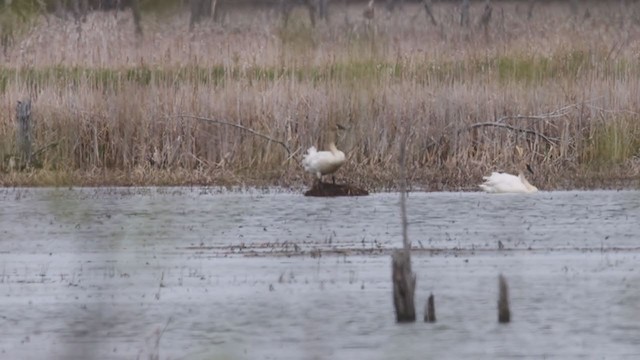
(531, 93)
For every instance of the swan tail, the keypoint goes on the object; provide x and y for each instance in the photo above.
(306, 159)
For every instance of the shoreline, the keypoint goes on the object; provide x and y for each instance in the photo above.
(296, 182)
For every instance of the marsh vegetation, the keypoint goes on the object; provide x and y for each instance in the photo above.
(557, 90)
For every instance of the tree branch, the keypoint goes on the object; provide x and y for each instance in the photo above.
(552, 141)
(237, 126)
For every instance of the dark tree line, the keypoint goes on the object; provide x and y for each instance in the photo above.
(203, 9)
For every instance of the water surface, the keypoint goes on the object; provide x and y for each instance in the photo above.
(203, 273)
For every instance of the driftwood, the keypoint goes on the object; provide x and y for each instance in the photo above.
(323, 189)
(430, 310)
(504, 314)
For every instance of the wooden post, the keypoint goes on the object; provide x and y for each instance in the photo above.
(504, 314)
(430, 310)
(404, 280)
(23, 135)
(404, 283)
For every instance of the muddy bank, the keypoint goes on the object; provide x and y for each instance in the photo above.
(293, 178)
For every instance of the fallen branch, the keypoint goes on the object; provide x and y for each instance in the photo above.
(558, 113)
(237, 126)
(550, 140)
(45, 148)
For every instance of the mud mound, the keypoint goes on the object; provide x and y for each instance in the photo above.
(329, 189)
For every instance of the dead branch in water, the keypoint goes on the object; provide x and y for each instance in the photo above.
(430, 310)
(237, 126)
(403, 278)
(404, 284)
(504, 314)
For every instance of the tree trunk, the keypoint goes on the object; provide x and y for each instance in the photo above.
(199, 10)
(464, 13)
(137, 17)
(532, 3)
(428, 9)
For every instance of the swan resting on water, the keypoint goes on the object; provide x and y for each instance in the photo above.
(506, 183)
(322, 163)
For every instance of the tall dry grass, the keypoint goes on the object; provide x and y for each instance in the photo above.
(105, 104)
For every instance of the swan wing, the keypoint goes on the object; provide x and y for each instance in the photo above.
(503, 183)
(323, 162)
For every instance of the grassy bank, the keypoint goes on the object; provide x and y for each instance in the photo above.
(556, 91)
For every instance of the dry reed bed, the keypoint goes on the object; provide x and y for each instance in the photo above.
(108, 112)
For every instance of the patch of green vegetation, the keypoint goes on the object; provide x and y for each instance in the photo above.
(534, 70)
(614, 141)
(505, 69)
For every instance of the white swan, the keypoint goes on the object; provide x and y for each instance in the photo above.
(322, 163)
(506, 183)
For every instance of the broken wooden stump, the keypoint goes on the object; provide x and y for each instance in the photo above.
(504, 314)
(323, 189)
(404, 283)
(430, 310)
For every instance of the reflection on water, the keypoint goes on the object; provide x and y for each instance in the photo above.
(131, 273)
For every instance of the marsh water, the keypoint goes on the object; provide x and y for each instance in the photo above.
(202, 273)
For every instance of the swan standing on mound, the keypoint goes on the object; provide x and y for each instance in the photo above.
(506, 183)
(322, 163)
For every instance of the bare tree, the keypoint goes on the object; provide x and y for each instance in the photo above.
(574, 7)
(532, 3)
(428, 9)
(80, 8)
(392, 4)
(464, 13)
(486, 18)
(323, 9)
(199, 10)
(286, 6)
(369, 12)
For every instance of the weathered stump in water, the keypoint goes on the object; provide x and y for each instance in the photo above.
(504, 314)
(23, 133)
(323, 189)
(404, 284)
(430, 310)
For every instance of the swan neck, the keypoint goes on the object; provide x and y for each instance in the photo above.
(526, 183)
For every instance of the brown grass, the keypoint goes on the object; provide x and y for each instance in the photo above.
(104, 102)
